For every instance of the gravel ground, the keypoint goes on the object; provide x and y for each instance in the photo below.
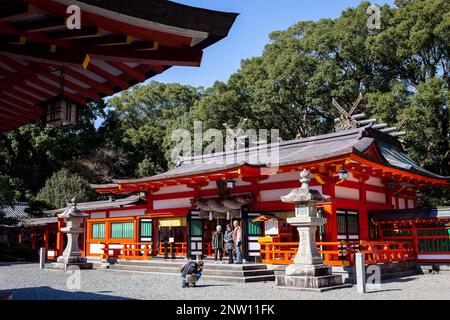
(26, 281)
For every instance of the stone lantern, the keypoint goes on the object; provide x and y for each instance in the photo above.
(74, 219)
(308, 271)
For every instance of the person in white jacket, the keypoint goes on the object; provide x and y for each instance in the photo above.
(237, 239)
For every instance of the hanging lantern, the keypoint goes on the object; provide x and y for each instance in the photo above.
(228, 215)
(210, 216)
(143, 193)
(343, 174)
(59, 111)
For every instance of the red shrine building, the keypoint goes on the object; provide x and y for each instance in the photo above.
(48, 71)
(366, 173)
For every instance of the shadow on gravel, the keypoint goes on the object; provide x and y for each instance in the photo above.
(211, 285)
(47, 293)
(395, 280)
(385, 290)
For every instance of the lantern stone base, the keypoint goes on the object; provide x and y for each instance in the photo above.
(64, 263)
(309, 278)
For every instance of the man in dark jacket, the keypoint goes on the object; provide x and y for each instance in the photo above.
(191, 273)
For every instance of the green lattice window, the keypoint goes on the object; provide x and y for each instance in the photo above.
(433, 245)
(196, 228)
(98, 231)
(122, 230)
(146, 229)
(254, 228)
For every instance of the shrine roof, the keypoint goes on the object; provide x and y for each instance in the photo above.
(299, 151)
(98, 205)
(119, 44)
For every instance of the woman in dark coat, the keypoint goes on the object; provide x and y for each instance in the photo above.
(218, 244)
(229, 243)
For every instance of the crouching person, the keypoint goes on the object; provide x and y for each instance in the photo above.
(191, 273)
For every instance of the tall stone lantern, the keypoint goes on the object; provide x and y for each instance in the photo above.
(308, 271)
(71, 256)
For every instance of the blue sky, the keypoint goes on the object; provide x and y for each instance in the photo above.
(250, 33)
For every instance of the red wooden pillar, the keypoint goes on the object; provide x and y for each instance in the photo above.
(46, 239)
(88, 235)
(415, 240)
(363, 213)
(380, 231)
(59, 239)
(330, 211)
(33, 240)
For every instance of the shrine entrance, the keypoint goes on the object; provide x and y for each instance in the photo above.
(173, 232)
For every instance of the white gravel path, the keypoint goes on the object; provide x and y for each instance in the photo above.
(26, 281)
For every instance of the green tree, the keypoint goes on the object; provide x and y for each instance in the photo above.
(62, 186)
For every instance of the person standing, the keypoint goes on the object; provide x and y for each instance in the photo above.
(237, 239)
(229, 243)
(218, 244)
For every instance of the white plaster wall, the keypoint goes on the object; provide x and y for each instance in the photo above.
(401, 203)
(275, 194)
(173, 189)
(279, 177)
(98, 215)
(375, 197)
(127, 213)
(346, 193)
(171, 203)
(410, 204)
(375, 182)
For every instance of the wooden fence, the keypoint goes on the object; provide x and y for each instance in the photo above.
(341, 253)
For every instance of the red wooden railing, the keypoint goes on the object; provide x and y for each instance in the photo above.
(179, 247)
(130, 251)
(427, 242)
(341, 253)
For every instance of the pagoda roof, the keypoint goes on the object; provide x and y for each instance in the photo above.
(356, 145)
(120, 43)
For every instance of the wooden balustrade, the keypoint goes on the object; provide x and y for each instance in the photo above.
(136, 251)
(341, 253)
(179, 247)
(130, 251)
(431, 241)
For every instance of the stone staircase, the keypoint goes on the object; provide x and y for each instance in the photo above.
(243, 273)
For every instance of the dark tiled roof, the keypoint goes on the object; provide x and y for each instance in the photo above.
(34, 222)
(290, 152)
(297, 152)
(413, 214)
(104, 204)
(105, 186)
(16, 212)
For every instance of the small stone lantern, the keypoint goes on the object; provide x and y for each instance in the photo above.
(308, 271)
(74, 219)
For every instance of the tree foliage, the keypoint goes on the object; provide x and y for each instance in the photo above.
(62, 186)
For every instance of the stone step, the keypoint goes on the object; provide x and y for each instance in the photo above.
(258, 278)
(206, 271)
(207, 266)
(241, 273)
